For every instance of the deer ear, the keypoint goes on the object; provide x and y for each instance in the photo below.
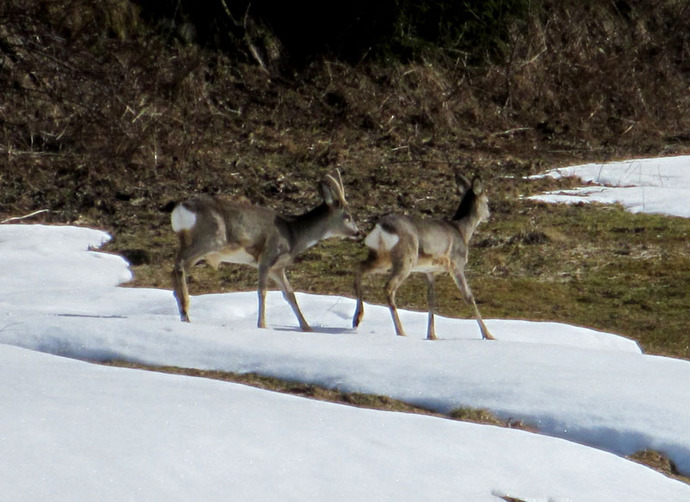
(327, 194)
(477, 185)
(461, 183)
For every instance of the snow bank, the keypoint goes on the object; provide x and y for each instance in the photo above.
(76, 431)
(659, 185)
(572, 382)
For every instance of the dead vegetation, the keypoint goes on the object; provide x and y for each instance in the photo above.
(108, 115)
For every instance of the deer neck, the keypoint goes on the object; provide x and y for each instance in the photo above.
(465, 228)
(467, 224)
(466, 206)
(309, 228)
(467, 218)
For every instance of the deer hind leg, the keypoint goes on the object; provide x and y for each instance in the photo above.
(431, 301)
(263, 285)
(398, 275)
(288, 293)
(461, 282)
(189, 254)
(359, 310)
(179, 280)
(364, 268)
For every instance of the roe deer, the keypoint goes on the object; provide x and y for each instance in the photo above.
(218, 230)
(400, 245)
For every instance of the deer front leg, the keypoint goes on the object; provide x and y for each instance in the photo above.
(431, 301)
(461, 282)
(179, 280)
(359, 311)
(263, 284)
(289, 295)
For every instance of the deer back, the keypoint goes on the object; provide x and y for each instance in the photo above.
(221, 229)
(433, 241)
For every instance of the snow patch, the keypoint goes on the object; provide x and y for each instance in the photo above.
(655, 186)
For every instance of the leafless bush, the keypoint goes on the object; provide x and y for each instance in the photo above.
(601, 72)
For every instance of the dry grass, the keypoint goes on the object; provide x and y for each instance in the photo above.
(369, 401)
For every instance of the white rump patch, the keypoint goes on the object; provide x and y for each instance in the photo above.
(182, 218)
(379, 238)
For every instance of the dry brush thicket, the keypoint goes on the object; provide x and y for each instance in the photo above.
(101, 108)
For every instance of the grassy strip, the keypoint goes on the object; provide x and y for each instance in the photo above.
(369, 401)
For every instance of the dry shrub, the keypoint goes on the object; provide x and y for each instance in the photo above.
(100, 110)
(606, 72)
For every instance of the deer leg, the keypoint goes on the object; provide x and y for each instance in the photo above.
(263, 284)
(359, 311)
(189, 254)
(289, 295)
(396, 279)
(180, 291)
(431, 301)
(461, 282)
(366, 267)
(391, 288)
(371, 264)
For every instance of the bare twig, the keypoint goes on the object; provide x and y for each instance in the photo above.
(510, 132)
(19, 218)
(247, 36)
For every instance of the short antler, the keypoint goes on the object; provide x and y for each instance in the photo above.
(336, 186)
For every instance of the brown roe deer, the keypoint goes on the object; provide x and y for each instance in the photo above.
(218, 230)
(399, 245)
